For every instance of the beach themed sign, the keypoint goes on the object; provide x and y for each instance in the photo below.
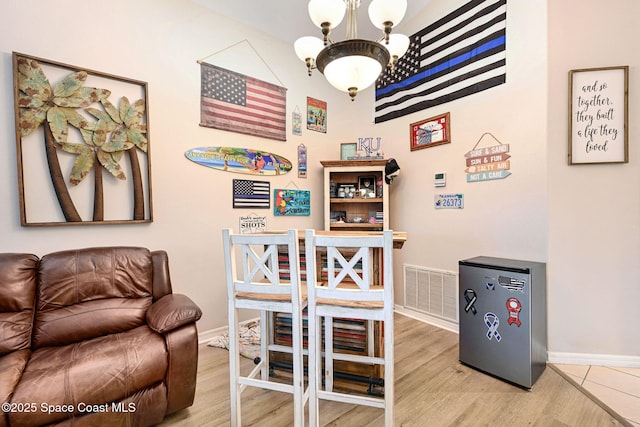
(239, 160)
(488, 163)
(291, 202)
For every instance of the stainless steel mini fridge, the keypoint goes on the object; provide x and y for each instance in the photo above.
(503, 318)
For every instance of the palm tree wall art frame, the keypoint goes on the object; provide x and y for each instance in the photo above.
(82, 140)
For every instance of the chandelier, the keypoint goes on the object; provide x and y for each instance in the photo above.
(354, 64)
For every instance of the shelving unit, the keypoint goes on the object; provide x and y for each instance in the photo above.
(349, 336)
(363, 212)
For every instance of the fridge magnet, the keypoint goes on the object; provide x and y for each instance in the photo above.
(514, 307)
(598, 115)
(430, 132)
(291, 202)
(251, 194)
(511, 283)
(492, 322)
(82, 142)
(470, 298)
(239, 160)
(488, 163)
(316, 115)
(302, 161)
(296, 121)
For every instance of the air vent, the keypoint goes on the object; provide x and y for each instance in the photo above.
(432, 292)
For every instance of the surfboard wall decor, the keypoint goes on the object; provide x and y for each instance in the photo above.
(239, 160)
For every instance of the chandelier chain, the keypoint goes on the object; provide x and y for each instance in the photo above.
(352, 18)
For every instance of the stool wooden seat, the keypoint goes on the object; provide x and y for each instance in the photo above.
(257, 285)
(350, 292)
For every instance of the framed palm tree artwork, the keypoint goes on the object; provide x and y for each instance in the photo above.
(82, 140)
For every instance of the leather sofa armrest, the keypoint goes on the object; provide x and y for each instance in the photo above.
(161, 276)
(171, 312)
(182, 346)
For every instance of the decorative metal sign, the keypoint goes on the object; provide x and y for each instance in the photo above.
(302, 161)
(448, 201)
(291, 202)
(488, 163)
(253, 224)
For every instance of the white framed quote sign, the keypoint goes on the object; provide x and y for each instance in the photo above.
(598, 115)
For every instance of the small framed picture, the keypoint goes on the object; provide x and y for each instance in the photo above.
(367, 186)
(338, 216)
(430, 132)
(347, 190)
(347, 150)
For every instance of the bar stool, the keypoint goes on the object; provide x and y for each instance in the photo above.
(257, 285)
(350, 292)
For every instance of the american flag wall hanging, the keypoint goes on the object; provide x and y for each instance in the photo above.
(461, 54)
(234, 102)
(251, 194)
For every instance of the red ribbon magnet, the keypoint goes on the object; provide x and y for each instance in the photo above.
(514, 307)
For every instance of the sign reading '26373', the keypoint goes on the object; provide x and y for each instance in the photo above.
(449, 201)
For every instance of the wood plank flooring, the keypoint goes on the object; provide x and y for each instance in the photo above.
(432, 389)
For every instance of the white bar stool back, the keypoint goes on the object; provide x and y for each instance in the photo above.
(257, 285)
(350, 292)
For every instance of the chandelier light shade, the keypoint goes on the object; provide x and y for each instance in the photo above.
(397, 47)
(327, 14)
(354, 64)
(384, 14)
(307, 49)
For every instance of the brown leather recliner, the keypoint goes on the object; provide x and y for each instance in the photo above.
(94, 337)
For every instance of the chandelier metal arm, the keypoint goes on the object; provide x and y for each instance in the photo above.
(387, 30)
(310, 65)
(326, 29)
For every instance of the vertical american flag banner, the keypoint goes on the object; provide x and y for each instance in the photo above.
(456, 56)
(238, 103)
(251, 194)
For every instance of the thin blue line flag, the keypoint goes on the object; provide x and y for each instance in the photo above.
(461, 54)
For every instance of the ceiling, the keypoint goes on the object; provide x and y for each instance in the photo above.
(288, 20)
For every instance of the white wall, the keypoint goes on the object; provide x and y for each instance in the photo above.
(584, 221)
(503, 218)
(594, 210)
(160, 41)
(544, 211)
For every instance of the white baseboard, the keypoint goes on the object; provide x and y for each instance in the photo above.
(205, 336)
(432, 320)
(593, 359)
(559, 358)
